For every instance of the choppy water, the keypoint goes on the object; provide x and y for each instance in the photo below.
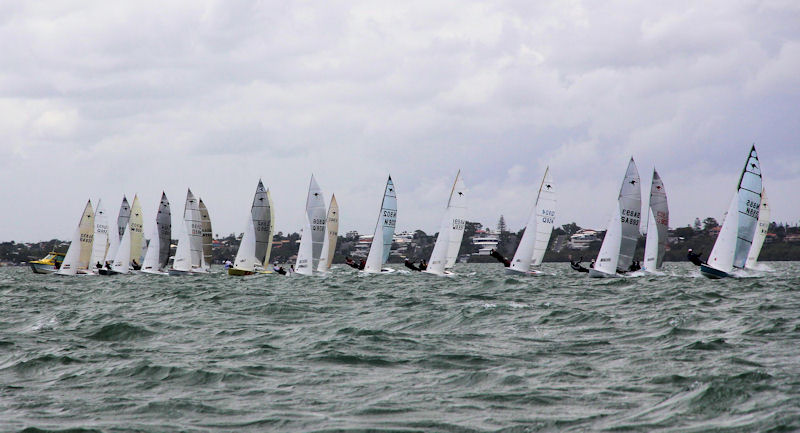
(401, 352)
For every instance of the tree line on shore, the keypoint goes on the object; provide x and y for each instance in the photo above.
(782, 244)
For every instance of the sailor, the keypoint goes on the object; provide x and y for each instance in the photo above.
(411, 265)
(350, 262)
(362, 264)
(634, 266)
(108, 265)
(278, 269)
(135, 265)
(591, 265)
(228, 264)
(98, 265)
(500, 258)
(694, 257)
(423, 265)
(577, 265)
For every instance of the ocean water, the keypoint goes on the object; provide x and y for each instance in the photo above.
(477, 352)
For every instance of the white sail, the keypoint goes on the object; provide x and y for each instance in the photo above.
(122, 222)
(194, 228)
(331, 236)
(761, 232)
(721, 257)
(80, 249)
(313, 232)
(183, 253)
(608, 257)
(207, 236)
(536, 237)
(384, 230)
(136, 223)
(451, 230)
(657, 225)
(738, 229)
(630, 211)
(151, 263)
(246, 259)
(100, 238)
(122, 261)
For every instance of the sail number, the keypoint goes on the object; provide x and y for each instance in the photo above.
(630, 216)
(87, 238)
(751, 208)
(548, 216)
(458, 224)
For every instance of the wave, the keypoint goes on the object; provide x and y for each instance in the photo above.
(120, 331)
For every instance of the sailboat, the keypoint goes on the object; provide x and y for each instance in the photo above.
(122, 261)
(657, 226)
(136, 224)
(533, 244)
(313, 236)
(207, 236)
(331, 236)
(384, 232)
(253, 253)
(99, 239)
(80, 249)
(189, 254)
(619, 245)
(114, 239)
(761, 234)
(451, 230)
(157, 255)
(739, 227)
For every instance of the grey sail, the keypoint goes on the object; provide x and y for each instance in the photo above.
(630, 209)
(164, 230)
(207, 236)
(124, 216)
(260, 212)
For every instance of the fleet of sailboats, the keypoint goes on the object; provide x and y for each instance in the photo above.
(97, 249)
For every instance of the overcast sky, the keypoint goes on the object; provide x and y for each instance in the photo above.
(100, 99)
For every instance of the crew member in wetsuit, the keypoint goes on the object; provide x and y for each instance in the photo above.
(98, 265)
(422, 265)
(635, 266)
(577, 265)
(500, 258)
(362, 264)
(279, 269)
(135, 265)
(695, 257)
(591, 265)
(108, 265)
(411, 265)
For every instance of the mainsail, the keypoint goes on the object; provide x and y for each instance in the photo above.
(136, 223)
(331, 236)
(384, 230)
(80, 249)
(533, 244)
(451, 230)
(208, 237)
(313, 235)
(630, 211)
(657, 225)
(157, 256)
(100, 239)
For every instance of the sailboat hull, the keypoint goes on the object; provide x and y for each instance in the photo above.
(712, 273)
(594, 273)
(530, 273)
(239, 272)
